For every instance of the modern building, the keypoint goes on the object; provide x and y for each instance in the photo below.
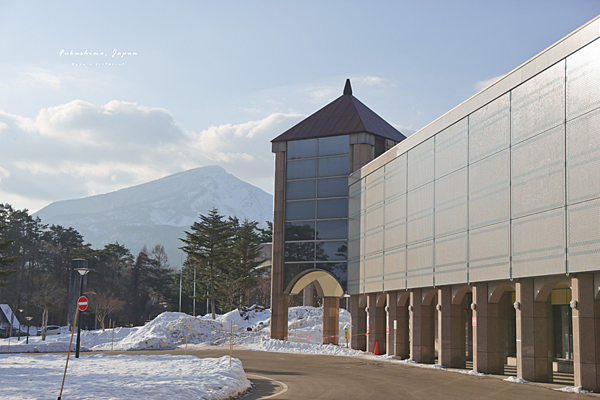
(478, 237)
(475, 239)
(313, 160)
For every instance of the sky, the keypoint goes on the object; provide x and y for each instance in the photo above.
(164, 87)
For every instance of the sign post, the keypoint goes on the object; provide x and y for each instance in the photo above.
(82, 305)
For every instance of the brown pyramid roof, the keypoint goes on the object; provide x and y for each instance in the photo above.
(343, 116)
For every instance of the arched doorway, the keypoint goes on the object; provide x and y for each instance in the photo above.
(327, 287)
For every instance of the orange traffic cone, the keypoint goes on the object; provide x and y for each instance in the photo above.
(376, 352)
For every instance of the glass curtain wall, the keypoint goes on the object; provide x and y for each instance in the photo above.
(316, 212)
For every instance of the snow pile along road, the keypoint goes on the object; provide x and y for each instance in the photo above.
(39, 347)
(281, 346)
(122, 377)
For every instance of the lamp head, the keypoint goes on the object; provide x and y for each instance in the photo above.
(28, 318)
(83, 271)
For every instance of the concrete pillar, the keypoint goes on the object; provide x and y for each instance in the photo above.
(402, 332)
(390, 337)
(376, 319)
(586, 349)
(487, 354)
(451, 331)
(534, 334)
(422, 336)
(466, 307)
(279, 301)
(331, 320)
(359, 323)
(308, 295)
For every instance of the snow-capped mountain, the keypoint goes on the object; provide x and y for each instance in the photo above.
(159, 211)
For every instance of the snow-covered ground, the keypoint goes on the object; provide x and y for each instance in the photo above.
(171, 330)
(102, 376)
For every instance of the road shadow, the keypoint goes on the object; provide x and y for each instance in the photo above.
(261, 388)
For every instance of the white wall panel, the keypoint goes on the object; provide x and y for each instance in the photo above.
(395, 222)
(421, 164)
(374, 274)
(583, 80)
(583, 157)
(451, 148)
(451, 203)
(489, 129)
(395, 268)
(374, 188)
(419, 264)
(538, 104)
(420, 216)
(583, 243)
(538, 244)
(489, 190)
(538, 180)
(395, 177)
(489, 252)
(451, 259)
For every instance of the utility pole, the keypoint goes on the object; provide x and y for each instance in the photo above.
(180, 281)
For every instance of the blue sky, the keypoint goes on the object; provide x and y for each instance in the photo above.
(213, 82)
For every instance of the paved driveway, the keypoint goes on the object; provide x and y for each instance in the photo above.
(348, 378)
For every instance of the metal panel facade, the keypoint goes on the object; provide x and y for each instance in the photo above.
(510, 190)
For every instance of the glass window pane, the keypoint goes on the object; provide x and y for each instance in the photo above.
(337, 208)
(301, 148)
(300, 210)
(333, 166)
(334, 145)
(290, 271)
(299, 251)
(339, 270)
(332, 251)
(335, 187)
(337, 229)
(301, 169)
(302, 230)
(300, 190)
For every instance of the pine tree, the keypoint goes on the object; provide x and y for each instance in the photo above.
(207, 247)
(5, 260)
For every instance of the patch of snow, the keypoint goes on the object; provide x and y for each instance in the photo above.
(514, 379)
(102, 376)
(573, 389)
(40, 347)
(282, 346)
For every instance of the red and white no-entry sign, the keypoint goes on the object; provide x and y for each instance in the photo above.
(82, 303)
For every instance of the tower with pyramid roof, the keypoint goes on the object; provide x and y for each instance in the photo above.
(313, 161)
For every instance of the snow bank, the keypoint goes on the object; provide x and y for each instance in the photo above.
(573, 389)
(514, 379)
(122, 377)
(281, 346)
(40, 347)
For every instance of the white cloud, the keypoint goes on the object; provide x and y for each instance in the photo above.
(43, 77)
(368, 80)
(480, 85)
(79, 149)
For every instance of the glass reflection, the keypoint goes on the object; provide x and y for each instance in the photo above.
(337, 229)
(290, 271)
(295, 231)
(299, 251)
(301, 169)
(300, 190)
(337, 208)
(300, 210)
(302, 148)
(335, 187)
(339, 270)
(334, 145)
(333, 166)
(332, 251)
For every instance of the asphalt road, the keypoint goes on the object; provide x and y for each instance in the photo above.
(301, 376)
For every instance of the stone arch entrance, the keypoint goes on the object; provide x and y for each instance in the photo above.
(330, 290)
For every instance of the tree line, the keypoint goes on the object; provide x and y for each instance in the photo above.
(35, 264)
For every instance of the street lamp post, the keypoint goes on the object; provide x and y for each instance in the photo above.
(83, 272)
(20, 315)
(28, 324)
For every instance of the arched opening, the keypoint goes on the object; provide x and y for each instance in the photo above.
(327, 287)
(502, 296)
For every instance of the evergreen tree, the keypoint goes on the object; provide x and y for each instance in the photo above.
(5, 260)
(207, 247)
